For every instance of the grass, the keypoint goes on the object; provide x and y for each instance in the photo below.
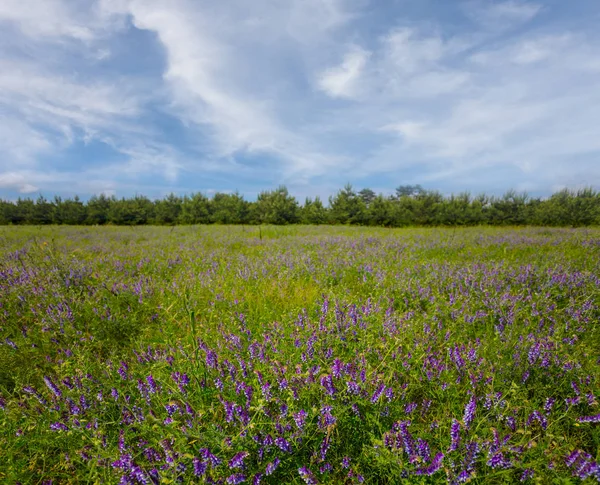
(299, 355)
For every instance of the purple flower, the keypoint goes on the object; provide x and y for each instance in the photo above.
(589, 419)
(410, 407)
(377, 394)
(526, 475)
(345, 462)
(549, 404)
(498, 460)
(199, 467)
(52, 386)
(307, 476)
(271, 467)
(454, 435)
(434, 467)
(353, 387)
(300, 418)
(539, 417)
(326, 418)
(337, 369)
(238, 460)
(212, 459)
(327, 383)
(152, 384)
(283, 445)
(469, 412)
(423, 449)
(58, 426)
(236, 478)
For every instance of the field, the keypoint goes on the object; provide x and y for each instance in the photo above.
(299, 355)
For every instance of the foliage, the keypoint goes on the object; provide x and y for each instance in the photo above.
(410, 205)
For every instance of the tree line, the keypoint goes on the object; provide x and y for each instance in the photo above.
(410, 205)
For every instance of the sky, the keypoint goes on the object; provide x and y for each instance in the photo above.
(150, 97)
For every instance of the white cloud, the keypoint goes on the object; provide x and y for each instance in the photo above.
(341, 81)
(16, 181)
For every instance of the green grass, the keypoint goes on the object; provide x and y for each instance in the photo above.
(431, 317)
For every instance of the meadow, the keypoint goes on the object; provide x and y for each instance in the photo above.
(299, 354)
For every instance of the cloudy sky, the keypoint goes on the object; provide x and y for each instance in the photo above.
(154, 96)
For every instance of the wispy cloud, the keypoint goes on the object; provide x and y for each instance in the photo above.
(341, 81)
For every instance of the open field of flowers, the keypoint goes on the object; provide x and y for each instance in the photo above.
(299, 355)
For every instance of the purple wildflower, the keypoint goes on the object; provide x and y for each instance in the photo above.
(469, 412)
(283, 445)
(300, 418)
(326, 417)
(327, 383)
(52, 386)
(345, 462)
(526, 475)
(589, 419)
(434, 467)
(58, 426)
(539, 417)
(271, 467)
(236, 478)
(377, 394)
(238, 460)
(199, 467)
(454, 435)
(307, 476)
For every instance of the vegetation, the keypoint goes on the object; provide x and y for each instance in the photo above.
(408, 206)
(295, 354)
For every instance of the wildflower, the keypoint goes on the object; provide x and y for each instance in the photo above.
(353, 387)
(326, 418)
(58, 426)
(271, 467)
(52, 386)
(526, 475)
(469, 412)
(498, 460)
(454, 435)
(199, 467)
(238, 460)
(300, 418)
(327, 383)
(539, 417)
(283, 445)
(410, 407)
(307, 476)
(345, 462)
(549, 404)
(377, 394)
(212, 459)
(236, 478)
(423, 449)
(152, 384)
(434, 467)
(589, 419)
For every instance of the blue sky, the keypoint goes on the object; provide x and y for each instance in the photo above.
(155, 96)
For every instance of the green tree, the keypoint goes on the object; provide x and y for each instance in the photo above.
(276, 207)
(167, 210)
(313, 212)
(195, 209)
(346, 207)
(69, 211)
(229, 209)
(98, 209)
